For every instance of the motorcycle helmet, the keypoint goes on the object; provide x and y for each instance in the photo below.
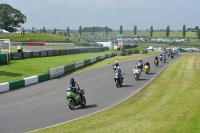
(115, 61)
(71, 80)
(118, 68)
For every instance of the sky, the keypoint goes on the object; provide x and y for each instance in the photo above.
(61, 14)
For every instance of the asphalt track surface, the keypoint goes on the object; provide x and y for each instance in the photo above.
(44, 104)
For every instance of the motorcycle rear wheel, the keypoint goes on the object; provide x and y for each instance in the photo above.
(83, 101)
(71, 104)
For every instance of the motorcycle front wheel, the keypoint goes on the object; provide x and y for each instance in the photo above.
(136, 78)
(117, 83)
(71, 104)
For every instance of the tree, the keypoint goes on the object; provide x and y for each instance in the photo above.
(68, 30)
(106, 30)
(120, 29)
(54, 31)
(184, 30)
(93, 30)
(44, 30)
(197, 28)
(167, 31)
(135, 30)
(151, 31)
(80, 30)
(10, 17)
(198, 33)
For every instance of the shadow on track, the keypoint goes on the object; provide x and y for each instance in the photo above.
(142, 79)
(159, 66)
(151, 73)
(127, 85)
(87, 106)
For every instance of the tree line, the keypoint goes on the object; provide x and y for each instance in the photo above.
(11, 18)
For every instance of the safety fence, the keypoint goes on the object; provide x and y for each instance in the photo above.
(58, 71)
(53, 72)
(47, 53)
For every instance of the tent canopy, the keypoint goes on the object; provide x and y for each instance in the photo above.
(4, 31)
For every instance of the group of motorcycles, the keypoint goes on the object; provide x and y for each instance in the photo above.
(79, 99)
(140, 68)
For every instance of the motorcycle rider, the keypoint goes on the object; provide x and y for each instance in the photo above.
(172, 55)
(135, 70)
(164, 56)
(156, 58)
(140, 64)
(148, 64)
(118, 74)
(115, 65)
(161, 56)
(74, 86)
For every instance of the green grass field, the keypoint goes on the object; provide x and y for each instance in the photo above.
(170, 104)
(37, 37)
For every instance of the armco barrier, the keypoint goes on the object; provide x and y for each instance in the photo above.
(16, 56)
(86, 62)
(16, 84)
(31, 80)
(98, 58)
(79, 64)
(23, 44)
(55, 72)
(68, 51)
(50, 52)
(43, 53)
(36, 54)
(35, 44)
(62, 52)
(77, 51)
(103, 56)
(27, 55)
(73, 51)
(56, 52)
(43, 77)
(4, 87)
(93, 60)
(71, 66)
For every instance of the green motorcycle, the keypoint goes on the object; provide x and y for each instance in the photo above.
(74, 99)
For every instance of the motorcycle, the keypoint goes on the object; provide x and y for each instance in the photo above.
(161, 58)
(75, 99)
(156, 62)
(172, 56)
(164, 60)
(136, 74)
(146, 69)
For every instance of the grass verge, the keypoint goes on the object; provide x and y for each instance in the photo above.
(171, 103)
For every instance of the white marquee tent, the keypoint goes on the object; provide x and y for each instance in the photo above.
(4, 31)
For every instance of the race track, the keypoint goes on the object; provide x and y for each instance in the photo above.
(44, 104)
